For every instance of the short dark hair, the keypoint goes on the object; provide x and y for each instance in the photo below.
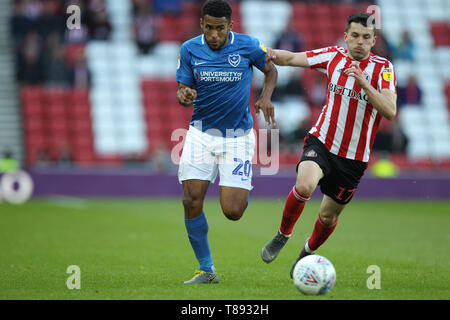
(358, 17)
(218, 9)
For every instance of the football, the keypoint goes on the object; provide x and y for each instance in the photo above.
(314, 275)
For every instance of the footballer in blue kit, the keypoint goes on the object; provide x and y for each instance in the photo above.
(214, 74)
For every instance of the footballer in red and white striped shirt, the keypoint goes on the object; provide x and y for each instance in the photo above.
(349, 122)
(360, 92)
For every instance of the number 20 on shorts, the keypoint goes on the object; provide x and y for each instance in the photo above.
(243, 168)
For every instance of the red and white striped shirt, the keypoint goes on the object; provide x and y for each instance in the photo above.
(348, 122)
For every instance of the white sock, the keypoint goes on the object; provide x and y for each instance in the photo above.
(307, 249)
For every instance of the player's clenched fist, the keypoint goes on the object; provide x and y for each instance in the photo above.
(186, 96)
(355, 71)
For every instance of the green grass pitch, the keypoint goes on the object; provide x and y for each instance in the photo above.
(138, 249)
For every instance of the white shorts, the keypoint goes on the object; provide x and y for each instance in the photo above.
(205, 155)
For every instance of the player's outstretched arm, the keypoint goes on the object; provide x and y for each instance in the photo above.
(186, 95)
(288, 58)
(264, 103)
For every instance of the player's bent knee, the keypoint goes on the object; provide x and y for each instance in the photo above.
(233, 213)
(188, 203)
(305, 188)
(233, 216)
(328, 220)
(192, 205)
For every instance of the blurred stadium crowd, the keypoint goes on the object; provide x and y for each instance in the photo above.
(66, 76)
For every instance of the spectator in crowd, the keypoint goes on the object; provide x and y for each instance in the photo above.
(98, 21)
(21, 23)
(290, 39)
(43, 158)
(410, 93)
(74, 36)
(133, 159)
(293, 87)
(160, 160)
(41, 40)
(144, 26)
(399, 138)
(56, 70)
(30, 62)
(51, 19)
(405, 49)
(8, 163)
(33, 8)
(81, 77)
(65, 159)
(390, 138)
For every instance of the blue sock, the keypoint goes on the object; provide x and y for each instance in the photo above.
(197, 230)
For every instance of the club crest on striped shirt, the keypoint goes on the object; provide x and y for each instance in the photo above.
(311, 154)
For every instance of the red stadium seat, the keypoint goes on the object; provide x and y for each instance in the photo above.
(78, 97)
(154, 113)
(32, 152)
(345, 10)
(441, 33)
(172, 28)
(80, 126)
(73, 51)
(400, 160)
(444, 163)
(33, 124)
(155, 126)
(37, 140)
(423, 164)
(300, 10)
(57, 125)
(319, 12)
(84, 155)
(301, 25)
(56, 96)
(55, 117)
(152, 92)
(79, 112)
(82, 142)
(32, 109)
(31, 94)
(191, 8)
(55, 110)
(447, 93)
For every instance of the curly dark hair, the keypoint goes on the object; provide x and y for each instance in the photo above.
(218, 9)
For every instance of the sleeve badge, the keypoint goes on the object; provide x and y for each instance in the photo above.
(387, 74)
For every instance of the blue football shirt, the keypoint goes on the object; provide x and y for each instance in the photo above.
(222, 79)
